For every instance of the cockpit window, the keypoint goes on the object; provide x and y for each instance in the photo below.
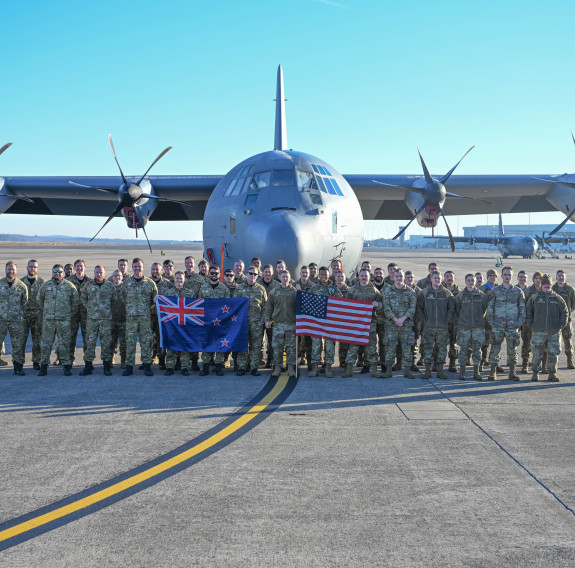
(262, 179)
(283, 178)
(305, 180)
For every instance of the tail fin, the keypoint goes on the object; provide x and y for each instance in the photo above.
(501, 231)
(280, 140)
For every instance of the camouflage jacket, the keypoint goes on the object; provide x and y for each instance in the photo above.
(470, 308)
(281, 305)
(164, 285)
(344, 289)
(32, 307)
(138, 296)
(305, 287)
(233, 288)
(329, 290)
(58, 300)
(241, 280)
(79, 284)
(367, 293)
(547, 312)
(258, 298)
(194, 283)
(506, 307)
(208, 291)
(568, 294)
(97, 300)
(435, 308)
(424, 282)
(531, 291)
(271, 285)
(399, 302)
(12, 300)
(118, 305)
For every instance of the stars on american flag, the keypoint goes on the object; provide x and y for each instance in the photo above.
(314, 305)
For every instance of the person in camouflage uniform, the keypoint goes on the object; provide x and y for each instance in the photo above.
(380, 285)
(239, 276)
(13, 298)
(32, 316)
(269, 283)
(526, 329)
(525, 338)
(505, 314)
(168, 270)
(568, 294)
(399, 305)
(470, 308)
(449, 283)
(193, 282)
(280, 310)
(213, 289)
(96, 298)
(410, 281)
(118, 319)
(79, 317)
(304, 345)
(179, 291)
(435, 309)
(425, 282)
(313, 272)
(122, 269)
(366, 292)
(258, 299)
(343, 347)
(323, 288)
(486, 288)
(138, 293)
(389, 281)
(58, 299)
(547, 314)
(230, 282)
(165, 288)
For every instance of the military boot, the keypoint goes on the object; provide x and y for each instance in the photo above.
(328, 371)
(553, 378)
(407, 372)
(513, 376)
(205, 370)
(148, 370)
(375, 372)
(397, 366)
(123, 362)
(388, 372)
(129, 370)
(414, 368)
(365, 369)
(108, 368)
(277, 371)
(535, 376)
(476, 374)
(440, 373)
(348, 371)
(43, 370)
(185, 372)
(314, 371)
(524, 366)
(169, 372)
(68, 370)
(219, 369)
(87, 370)
(461, 375)
(493, 374)
(162, 361)
(18, 369)
(427, 372)
(500, 369)
(570, 364)
(452, 366)
(291, 371)
(36, 366)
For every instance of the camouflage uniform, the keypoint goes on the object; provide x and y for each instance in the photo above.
(399, 302)
(209, 291)
(138, 296)
(452, 329)
(505, 314)
(568, 294)
(547, 314)
(470, 308)
(58, 301)
(526, 331)
(280, 310)
(79, 318)
(194, 282)
(118, 323)
(424, 282)
(97, 301)
(343, 347)
(268, 287)
(258, 298)
(486, 289)
(381, 323)
(367, 293)
(32, 319)
(165, 288)
(435, 309)
(171, 356)
(13, 298)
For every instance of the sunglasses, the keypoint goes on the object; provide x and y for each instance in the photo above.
(57, 271)
(214, 273)
(253, 273)
(228, 275)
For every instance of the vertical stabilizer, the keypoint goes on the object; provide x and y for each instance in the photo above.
(280, 141)
(501, 231)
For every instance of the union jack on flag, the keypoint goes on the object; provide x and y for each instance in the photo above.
(186, 310)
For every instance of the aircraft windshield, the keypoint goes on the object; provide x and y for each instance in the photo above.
(275, 178)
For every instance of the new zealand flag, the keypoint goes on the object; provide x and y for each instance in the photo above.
(212, 325)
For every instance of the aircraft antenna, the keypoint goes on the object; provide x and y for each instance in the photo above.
(280, 141)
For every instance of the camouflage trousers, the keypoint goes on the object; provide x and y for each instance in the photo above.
(370, 356)
(542, 342)
(138, 326)
(284, 335)
(32, 323)
(567, 335)
(453, 343)
(498, 334)
(470, 339)
(255, 338)
(342, 350)
(403, 336)
(95, 328)
(486, 343)
(157, 349)
(77, 322)
(304, 347)
(14, 328)
(526, 333)
(380, 329)
(119, 336)
(434, 337)
(171, 357)
(50, 330)
(218, 357)
(328, 350)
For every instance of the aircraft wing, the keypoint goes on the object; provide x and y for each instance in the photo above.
(507, 193)
(56, 196)
(494, 241)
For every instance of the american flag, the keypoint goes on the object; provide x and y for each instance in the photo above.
(337, 319)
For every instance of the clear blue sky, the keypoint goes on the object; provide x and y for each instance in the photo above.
(362, 78)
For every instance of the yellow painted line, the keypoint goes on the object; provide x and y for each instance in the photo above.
(151, 472)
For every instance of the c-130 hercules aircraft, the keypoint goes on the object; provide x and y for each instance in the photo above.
(284, 203)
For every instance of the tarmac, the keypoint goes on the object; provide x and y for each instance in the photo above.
(244, 471)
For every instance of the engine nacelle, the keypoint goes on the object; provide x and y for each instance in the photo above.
(6, 198)
(138, 215)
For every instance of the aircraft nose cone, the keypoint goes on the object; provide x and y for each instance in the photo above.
(286, 235)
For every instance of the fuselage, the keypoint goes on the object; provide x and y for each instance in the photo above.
(525, 247)
(284, 205)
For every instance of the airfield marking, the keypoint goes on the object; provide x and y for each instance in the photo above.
(80, 504)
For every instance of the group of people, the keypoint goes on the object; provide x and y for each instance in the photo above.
(433, 317)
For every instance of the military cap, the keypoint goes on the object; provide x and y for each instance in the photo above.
(546, 279)
(492, 272)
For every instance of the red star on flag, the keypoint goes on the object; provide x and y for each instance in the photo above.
(225, 309)
(234, 318)
(216, 321)
(225, 342)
